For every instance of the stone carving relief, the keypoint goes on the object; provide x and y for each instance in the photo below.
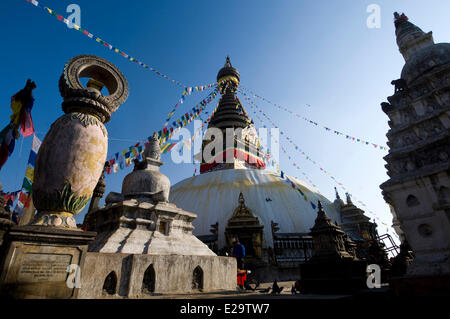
(431, 105)
(424, 157)
(386, 107)
(408, 138)
(406, 117)
(400, 85)
(430, 128)
(77, 97)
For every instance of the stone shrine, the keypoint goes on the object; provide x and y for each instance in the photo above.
(333, 268)
(145, 244)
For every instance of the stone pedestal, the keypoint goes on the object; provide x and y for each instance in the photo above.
(42, 262)
(143, 275)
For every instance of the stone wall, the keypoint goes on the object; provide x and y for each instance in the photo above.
(173, 274)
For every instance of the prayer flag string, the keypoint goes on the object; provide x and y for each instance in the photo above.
(104, 43)
(348, 137)
(341, 185)
(279, 171)
(188, 91)
(121, 160)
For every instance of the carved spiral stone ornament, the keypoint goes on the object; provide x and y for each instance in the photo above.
(102, 73)
(71, 158)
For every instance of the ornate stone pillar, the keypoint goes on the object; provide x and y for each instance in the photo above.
(46, 258)
(71, 158)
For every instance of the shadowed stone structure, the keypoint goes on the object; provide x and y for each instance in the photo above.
(359, 229)
(418, 162)
(333, 267)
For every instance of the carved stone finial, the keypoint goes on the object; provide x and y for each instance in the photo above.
(153, 149)
(228, 73)
(90, 100)
(399, 18)
(241, 199)
(328, 237)
(400, 85)
(409, 37)
(322, 216)
(386, 107)
(146, 182)
(228, 62)
(349, 199)
(337, 193)
(242, 210)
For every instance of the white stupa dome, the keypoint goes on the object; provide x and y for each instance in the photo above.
(213, 196)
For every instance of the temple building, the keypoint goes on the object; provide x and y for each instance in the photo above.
(238, 198)
(418, 162)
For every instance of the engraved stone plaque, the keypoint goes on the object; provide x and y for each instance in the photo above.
(44, 267)
(37, 260)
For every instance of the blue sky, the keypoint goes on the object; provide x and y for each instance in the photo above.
(293, 53)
